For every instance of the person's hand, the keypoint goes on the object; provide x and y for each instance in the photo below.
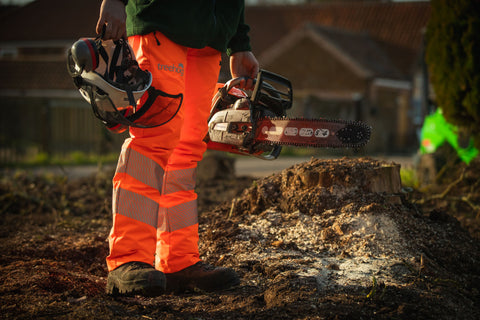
(112, 14)
(244, 64)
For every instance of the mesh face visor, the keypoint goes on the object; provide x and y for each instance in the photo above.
(154, 109)
(120, 93)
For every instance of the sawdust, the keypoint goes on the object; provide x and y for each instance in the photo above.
(344, 249)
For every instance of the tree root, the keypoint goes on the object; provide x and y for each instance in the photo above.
(466, 198)
(445, 192)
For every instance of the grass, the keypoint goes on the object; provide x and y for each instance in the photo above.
(72, 158)
(409, 178)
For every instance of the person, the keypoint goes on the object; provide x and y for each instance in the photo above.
(154, 237)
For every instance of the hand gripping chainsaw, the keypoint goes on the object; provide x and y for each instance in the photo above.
(257, 125)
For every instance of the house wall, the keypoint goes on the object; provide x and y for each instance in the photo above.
(309, 67)
(312, 107)
(390, 115)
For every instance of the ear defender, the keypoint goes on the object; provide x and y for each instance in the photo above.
(85, 54)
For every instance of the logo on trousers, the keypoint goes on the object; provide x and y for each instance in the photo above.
(171, 68)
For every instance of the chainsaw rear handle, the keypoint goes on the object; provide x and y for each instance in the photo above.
(231, 84)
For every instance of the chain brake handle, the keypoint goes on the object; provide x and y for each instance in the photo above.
(268, 100)
(274, 91)
(263, 88)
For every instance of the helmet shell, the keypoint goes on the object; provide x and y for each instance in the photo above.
(110, 79)
(109, 68)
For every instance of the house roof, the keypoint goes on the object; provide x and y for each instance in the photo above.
(45, 20)
(397, 27)
(357, 50)
(43, 24)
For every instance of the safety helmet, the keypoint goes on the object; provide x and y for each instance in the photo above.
(110, 79)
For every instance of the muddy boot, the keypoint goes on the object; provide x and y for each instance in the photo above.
(201, 276)
(134, 278)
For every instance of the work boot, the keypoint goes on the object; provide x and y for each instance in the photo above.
(134, 278)
(201, 276)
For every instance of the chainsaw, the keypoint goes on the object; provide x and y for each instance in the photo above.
(256, 123)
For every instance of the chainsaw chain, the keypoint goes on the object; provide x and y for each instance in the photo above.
(355, 134)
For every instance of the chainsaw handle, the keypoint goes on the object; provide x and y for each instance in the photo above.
(231, 84)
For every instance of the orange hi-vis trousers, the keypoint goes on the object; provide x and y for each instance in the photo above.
(154, 206)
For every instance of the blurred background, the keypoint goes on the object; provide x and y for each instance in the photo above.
(358, 60)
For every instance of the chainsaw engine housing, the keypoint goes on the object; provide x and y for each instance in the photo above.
(234, 112)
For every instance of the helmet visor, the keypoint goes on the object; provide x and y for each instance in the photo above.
(154, 109)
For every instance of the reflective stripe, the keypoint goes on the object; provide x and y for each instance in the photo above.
(141, 168)
(135, 206)
(180, 180)
(178, 217)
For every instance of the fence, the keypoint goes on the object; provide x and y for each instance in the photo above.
(30, 126)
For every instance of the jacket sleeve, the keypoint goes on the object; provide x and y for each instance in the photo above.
(240, 40)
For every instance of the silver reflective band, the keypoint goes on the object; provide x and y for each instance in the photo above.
(135, 206)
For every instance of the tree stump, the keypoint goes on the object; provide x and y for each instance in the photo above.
(216, 165)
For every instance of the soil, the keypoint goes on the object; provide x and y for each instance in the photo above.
(326, 239)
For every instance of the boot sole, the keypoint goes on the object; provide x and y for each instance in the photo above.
(135, 287)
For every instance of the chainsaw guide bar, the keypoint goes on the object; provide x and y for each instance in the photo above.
(318, 133)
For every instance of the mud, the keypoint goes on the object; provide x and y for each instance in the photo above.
(326, 239)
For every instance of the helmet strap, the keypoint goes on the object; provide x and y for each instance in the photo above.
(131, 99)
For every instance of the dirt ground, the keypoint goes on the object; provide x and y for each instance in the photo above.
(326, 239)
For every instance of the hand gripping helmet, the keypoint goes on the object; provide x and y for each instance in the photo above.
(109, 78)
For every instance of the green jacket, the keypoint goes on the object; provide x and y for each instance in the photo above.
(192, 23)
